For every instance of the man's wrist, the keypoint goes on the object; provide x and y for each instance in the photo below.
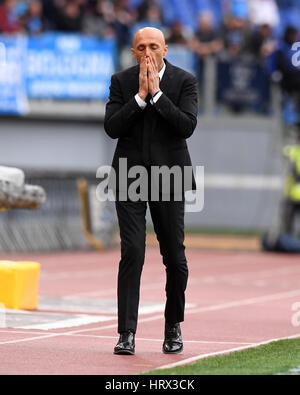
(142, 104)
(155, 93)
(156, 97)
(142, 95)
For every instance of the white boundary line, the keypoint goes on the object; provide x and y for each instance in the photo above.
(29, 339)
(202, 356)
(71, 322)
(137, 338)
(245, 302)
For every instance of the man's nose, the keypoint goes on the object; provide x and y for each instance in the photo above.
(147, 51)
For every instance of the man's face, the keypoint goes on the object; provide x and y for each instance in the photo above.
(206, 24)
(149, 42)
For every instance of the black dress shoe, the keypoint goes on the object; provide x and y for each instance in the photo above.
(173, 340)
(125, 345)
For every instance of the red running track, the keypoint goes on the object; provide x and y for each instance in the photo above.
(236, 300)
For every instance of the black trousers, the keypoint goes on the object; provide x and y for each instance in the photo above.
(168, 221)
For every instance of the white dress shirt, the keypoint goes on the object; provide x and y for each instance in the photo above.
(141, 102)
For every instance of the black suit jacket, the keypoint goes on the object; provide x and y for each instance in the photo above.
(155, 136)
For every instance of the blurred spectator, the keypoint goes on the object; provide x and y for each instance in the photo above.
(124, 19)
(34, 20)
(207, 40)
(21, 7)
(236, 35)
(9, 18)
(263, 12)
(262, 43)
(68, 15)
(99, 19)
(177, 34)
(290, 74)
(49, 13)
(143, 8)
(153, 18)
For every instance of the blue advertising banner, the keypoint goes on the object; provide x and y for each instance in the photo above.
(12, 86)
(69, 67)
(243, 83)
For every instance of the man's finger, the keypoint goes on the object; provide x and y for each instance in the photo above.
(143, 65)
(154, 72)
(153, 61)
(150, 67)
(150, 61)
(154, 68)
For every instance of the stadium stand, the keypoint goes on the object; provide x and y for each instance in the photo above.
(245, 27)
(35, 16)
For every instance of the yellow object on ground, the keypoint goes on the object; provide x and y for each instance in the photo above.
(19, 282)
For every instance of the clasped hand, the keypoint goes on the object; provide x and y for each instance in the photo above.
(149, 78)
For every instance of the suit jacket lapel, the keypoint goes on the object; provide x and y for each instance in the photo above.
(134, 86)
(166, 81)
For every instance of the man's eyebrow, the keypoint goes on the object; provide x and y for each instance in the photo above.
(142, 44)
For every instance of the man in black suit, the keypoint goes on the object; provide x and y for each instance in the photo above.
(152, 110)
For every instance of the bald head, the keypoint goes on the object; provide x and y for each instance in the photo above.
(148, 42)
(149, 32)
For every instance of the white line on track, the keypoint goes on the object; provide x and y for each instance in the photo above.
(161, 340)
(245, 302)
(137, 338)
(29, 339)
(256, 274)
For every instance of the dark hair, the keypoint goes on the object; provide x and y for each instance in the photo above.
(289, 34)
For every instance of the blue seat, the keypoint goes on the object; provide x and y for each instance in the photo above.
(184, 12)
(239, 8)
(201, 5)
(216, 8)
(288, 17)
(134, 3)
(168, 11)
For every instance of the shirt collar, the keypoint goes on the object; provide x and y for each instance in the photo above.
(161, 73)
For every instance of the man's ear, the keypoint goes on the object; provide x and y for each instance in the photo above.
(133, 53)
(165, 51)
